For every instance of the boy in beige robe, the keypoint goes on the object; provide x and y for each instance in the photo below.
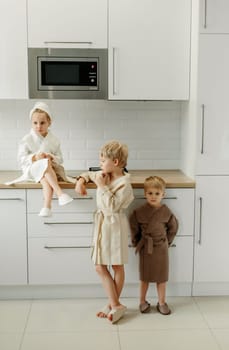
(153, 228)
(111, 229)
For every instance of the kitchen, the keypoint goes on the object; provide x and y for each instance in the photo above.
(160, 135)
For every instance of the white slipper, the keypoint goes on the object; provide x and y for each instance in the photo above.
(64, 199)
(105, 310)
(45, 212)
(117, 314)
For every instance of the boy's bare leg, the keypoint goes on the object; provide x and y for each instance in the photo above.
(119, 277)
(110, 288)
(47, 193)
(143, 291)
(161, 291)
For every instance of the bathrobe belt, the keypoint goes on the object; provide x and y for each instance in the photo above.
(149, 242)
(100, 214)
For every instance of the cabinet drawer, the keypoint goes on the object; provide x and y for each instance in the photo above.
(61, 261)
(80, 203)
(64, 224)
(12, 195)
(181, 203)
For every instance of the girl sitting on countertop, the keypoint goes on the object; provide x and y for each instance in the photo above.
(40, 158)
(111, 229)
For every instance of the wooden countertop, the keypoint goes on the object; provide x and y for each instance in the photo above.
(173, 178)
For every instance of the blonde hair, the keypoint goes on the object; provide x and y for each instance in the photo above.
(38, 110)
(115, 150)
(154, 181)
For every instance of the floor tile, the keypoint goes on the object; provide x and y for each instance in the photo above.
(13, 315)
(215, 310)
(185, 315)
(222, 337)
(168, 340)
(10, 341)
(67, 315)
(71, 341)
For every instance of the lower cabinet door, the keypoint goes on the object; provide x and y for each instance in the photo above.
(61, 261)
(181, 259)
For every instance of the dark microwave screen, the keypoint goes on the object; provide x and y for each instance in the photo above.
(68, 74)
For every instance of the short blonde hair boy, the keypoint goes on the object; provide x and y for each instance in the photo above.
(115, 150)
(156, 182)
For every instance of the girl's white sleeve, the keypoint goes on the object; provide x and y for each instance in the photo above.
(24, 155)
(57, 156)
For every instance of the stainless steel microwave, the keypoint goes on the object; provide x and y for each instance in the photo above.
(68, 73)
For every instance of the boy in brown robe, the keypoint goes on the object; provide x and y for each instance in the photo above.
(153, 228)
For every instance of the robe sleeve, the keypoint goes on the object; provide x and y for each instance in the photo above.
(24, 155)
(117, 198)
(135, 229)
(172, 228)
(57, 156)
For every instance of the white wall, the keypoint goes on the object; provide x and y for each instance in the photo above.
(150, 129)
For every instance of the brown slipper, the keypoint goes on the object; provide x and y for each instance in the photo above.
(144, 307)
(163, 309)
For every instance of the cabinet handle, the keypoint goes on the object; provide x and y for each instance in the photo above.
(76, 198)
(142, 197)
(205, 14)
(68, 42)
(11, 199)
(200, 222)
(202, 128)
(114, 71)
(67, 223)
(67, 247)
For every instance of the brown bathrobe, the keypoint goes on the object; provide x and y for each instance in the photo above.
(152, 231)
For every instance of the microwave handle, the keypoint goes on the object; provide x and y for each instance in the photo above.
(68, 42)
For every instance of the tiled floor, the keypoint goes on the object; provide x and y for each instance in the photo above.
(197, 323)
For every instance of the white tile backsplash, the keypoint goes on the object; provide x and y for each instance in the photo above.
(152, 131)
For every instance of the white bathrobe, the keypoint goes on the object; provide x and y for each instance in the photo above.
(32, 144)
(111, 227)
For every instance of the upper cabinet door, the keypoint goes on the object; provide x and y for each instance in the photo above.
(69, 23)
(213, 120)
(13, 43)
(149, 49)
(214, 16)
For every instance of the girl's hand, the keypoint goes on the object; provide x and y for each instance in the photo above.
(80, 187)
(40, 156)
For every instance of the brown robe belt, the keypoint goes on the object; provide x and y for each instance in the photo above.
(150, 243)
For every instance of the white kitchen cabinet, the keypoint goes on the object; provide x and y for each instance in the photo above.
(181, 202)
(13, 242)
(213, 106)
(61, 260)
(69, 23)
(59, 247)
(13, 43)
(214, 16)
(149, 49)
(211, 273)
